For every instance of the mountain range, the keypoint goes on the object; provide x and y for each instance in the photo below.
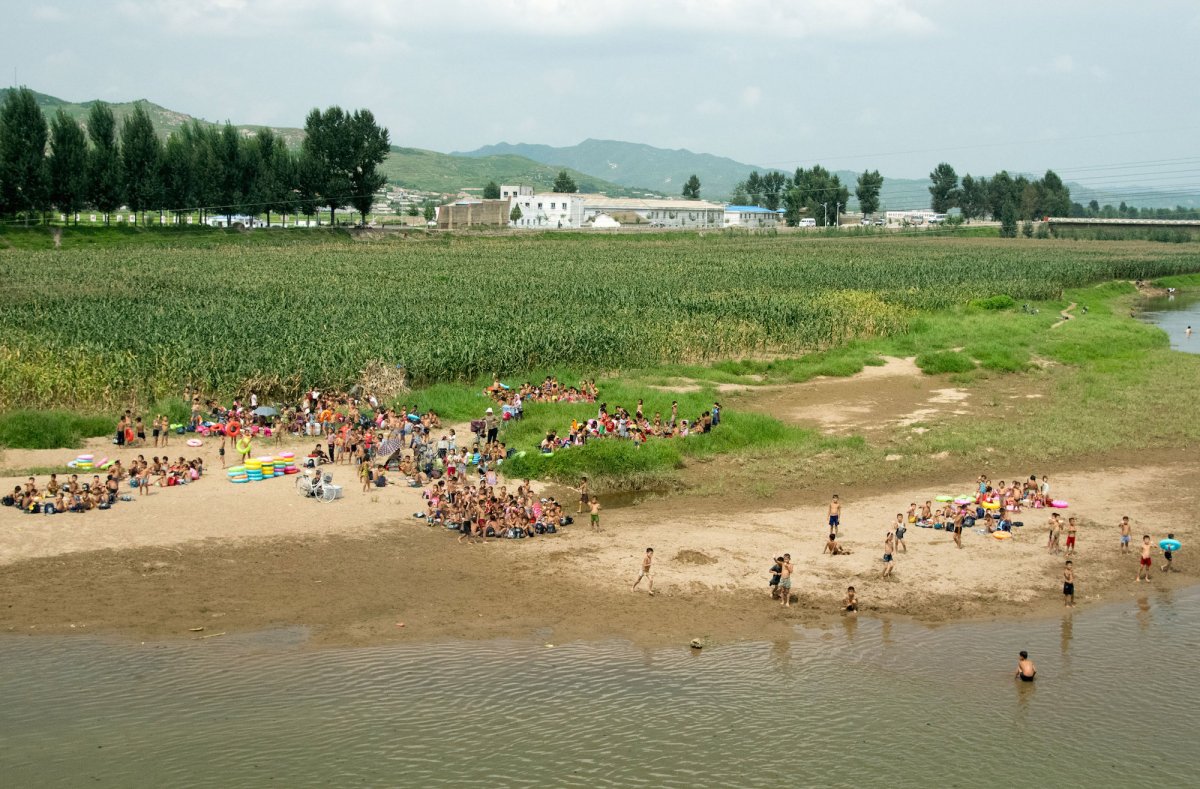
(610, 166)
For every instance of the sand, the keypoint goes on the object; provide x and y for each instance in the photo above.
(363, 570)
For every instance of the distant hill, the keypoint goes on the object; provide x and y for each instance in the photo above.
(431, 171)
(165, 120)
(428, 171)
(634, 165)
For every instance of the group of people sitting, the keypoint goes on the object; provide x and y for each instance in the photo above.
(485, 511)
(548, 391)
(76, 495)
(992, 508)
(635, 427)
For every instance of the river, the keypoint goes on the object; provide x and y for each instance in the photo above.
(860, 702)
(1173, 314)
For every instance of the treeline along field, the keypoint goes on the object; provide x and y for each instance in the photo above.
(93, 327)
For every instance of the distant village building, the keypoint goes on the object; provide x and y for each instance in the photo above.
(508, 191)
(473, 213)
(750, 216)
(651, 211)
(551, 210)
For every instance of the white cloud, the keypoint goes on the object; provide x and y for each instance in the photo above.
(49, 13)
(795, 19)
(751, 96)
(1063, 64)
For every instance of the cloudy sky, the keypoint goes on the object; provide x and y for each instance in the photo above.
(891, 84)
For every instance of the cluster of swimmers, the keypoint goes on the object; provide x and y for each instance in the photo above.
(636, 427)
(479, 512)
(76, 495)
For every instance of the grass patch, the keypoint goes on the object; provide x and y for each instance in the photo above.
(50, 429)
(935, 362)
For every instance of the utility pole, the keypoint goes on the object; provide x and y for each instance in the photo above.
(837, 210)
(825, 207)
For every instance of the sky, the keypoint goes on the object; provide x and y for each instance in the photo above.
(1100, 91)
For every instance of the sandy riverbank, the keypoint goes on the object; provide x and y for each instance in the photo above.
(230, 558)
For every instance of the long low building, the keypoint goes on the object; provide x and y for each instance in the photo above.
(558, 210)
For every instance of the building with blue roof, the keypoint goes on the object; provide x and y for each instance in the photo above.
(750, 216)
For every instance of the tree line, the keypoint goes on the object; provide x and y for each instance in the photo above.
(66, 166)
(1000, 197)
(815, 193)
(1093, 210)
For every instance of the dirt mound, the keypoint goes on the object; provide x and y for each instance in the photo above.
(694, 557)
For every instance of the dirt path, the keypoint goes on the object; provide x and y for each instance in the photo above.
(1066, 316)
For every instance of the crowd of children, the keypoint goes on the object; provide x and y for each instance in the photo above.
(636, 427)
(83, 495)
(482, 511)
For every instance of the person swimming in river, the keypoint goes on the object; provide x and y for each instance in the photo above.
(1026, 671)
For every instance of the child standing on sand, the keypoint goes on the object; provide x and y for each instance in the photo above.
(595, 505)
(1166, 568)
(1125, 528)
(583, 493)
(1069, 585)
(1145, 563)
(889, 547)
(1071, 529)
(835, 514)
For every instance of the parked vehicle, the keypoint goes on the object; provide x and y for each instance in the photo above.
(807, 222)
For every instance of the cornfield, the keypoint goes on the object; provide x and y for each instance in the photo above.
(95, 327)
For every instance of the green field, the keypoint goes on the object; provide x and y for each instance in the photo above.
(93, 326)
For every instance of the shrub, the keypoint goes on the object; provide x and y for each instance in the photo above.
(1000, 302)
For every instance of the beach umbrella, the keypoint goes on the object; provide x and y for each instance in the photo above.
(389, 446)
(265, 410)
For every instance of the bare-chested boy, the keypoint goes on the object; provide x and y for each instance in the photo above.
(833, 548)
(785, 580)
(1069, 585)
(889, 549)
(851, 600)
(647, 570)
(1071, 530)
(898, 528)
(1055, 525)
(595, 506)
(1145, 563)
(1125, 528)
(835, 514)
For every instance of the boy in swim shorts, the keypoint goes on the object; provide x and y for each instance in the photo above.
(835, 514)
(785, 581)
(595, 505)
(889, 547)
(1071, 528)
(647, 570)
(1124, 527)
(1026, 671)
(1069, 585)
(851, 601)
(1145, 563)
(1166, 568)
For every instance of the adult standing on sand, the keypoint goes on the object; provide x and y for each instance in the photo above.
(490, 425)
(835, 514)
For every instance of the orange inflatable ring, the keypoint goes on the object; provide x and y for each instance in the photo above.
(233, 428)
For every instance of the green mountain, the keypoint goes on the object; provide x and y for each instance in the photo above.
(634, 165)
(430, 171)
(165, 120)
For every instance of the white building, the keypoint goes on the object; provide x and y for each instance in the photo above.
(750, 216)
(508, 191)
(649, 211)
(550, 210)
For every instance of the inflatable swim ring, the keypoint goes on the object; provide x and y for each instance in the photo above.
(194, 442)
(233, 428)
(1058, 504)
(944, 498)
(962, 500)
(1002, 535)
(243, 446)
(103, 464)
(1170, 545)
(990, 505)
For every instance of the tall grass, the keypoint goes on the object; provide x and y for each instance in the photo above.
(50, 429)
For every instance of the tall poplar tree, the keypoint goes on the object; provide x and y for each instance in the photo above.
(104, 160)
(67, 165)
